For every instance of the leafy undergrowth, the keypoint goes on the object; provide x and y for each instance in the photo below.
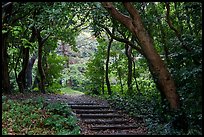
(150, 110)
(37, 117)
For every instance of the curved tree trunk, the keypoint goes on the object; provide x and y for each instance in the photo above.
(107, 61)
(159, 71)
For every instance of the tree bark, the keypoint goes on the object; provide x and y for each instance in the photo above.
(5, 80)
(128, 52)
(21, 79)
(29, 80)
(123, 40)
(21, 76)
(4, 65)
(40, 69)
(161, 76)
(107, 61)
(41, 42)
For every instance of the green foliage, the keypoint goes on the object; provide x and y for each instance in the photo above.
(76, 76)
(3, 98)
(150, 110)
(95, 72)
(54, 70)
(38, 117)
(64, 20)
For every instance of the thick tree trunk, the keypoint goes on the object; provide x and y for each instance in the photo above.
(7, 9)
(159, 71)
(107, 61)
(4, 65)
(128, 52)
(21, 79)
(29, 80)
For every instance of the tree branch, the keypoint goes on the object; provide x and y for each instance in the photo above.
(44, 39)
(178, 34)
(118, 15)
(131, 9)
(19, 18)
(169, 21)
(7, 4)
(122, 40)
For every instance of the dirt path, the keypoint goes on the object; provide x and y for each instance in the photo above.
(95, 116)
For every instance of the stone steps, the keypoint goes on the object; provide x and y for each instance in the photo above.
(105, 121)
(100, 118)
(104, 127)
(95, 116)
(94, 111)
(88, 107)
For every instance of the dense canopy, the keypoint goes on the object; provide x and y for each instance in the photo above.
(146, 57)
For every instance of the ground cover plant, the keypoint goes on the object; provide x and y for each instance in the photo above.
(37, 117)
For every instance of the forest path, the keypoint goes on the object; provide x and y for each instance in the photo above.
(96, 117)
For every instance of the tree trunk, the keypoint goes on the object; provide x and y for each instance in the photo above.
(134, 74)
(107, 61)
(40, 69)
(159, 71)
(4, 65)
(29, 80)
(128, 52)
(41, 42)
(36, 82)
(6, 11)
(21, 79)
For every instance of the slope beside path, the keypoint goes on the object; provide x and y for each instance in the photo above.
(96, 116)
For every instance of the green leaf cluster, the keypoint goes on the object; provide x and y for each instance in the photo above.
(38, 117)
